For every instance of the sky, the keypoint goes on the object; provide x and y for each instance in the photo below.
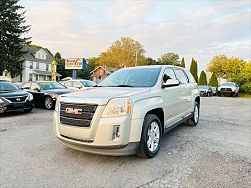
(198, 29)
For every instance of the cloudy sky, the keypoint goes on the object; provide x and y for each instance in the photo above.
(199, 29)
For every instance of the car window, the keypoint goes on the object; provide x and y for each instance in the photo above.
(34, 86)
(190, 77)
(68, 84)
(168, 74)
(88, 83)
(76, 85)
(26, 86)
(7, 86)
(181, 76)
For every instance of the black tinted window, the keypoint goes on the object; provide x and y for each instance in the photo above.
(181, 76)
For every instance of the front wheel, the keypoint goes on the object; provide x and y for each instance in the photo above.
(193, 121)
(48, 103)
(151, 137)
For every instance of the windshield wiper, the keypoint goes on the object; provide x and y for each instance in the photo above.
(123, 85)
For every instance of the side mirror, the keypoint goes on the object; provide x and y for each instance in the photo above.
(37, 89)
(171, 83)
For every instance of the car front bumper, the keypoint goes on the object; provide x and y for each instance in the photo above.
(13, 107)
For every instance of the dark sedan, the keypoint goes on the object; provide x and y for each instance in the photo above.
(205, 90)
(12, 99)
(45, 93)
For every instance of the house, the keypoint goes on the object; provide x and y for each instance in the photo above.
(101, 72)
(36, 66)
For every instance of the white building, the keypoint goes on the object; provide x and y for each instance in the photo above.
(37, 66)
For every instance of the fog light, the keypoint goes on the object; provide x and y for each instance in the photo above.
(116, 133)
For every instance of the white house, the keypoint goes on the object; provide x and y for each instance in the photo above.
(37, 66)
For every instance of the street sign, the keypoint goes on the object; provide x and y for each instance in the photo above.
(53, 70)
(74, 63)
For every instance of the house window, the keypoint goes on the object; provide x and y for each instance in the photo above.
(36, 77)
(37, 66)
(47, 67)
(31, 65)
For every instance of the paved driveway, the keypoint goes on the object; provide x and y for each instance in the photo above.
(216, 153)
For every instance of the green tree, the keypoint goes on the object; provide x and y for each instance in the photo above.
(12, 28)
(213, 80)
(183, 64)
(123, 53)
(85, 74)
(194, 69)
(150, 61)
(203, 78)
(169, 59)
(61, 66)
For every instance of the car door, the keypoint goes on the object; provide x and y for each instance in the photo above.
(184, 92)
(38, 95)
(172, 101)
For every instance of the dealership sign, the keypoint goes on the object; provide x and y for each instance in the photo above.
(74, 63)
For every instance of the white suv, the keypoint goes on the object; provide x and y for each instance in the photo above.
(128, 112)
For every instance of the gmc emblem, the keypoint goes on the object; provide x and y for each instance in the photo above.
(73, 111)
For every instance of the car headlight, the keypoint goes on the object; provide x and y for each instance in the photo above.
(117, 107)
(233, 89)
(1, 101)
(30, 97)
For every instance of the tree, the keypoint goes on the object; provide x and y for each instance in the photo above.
(203, 78)
(194, 69)
(169, 59)
(150, 61)
(85, 74)
(123, 53)
(183, 64)
(213, 80)
(12, 28)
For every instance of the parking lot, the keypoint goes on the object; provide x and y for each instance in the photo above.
(216, 153)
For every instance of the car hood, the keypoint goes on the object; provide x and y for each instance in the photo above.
(17, 93)
(58, 91)
(100, 95)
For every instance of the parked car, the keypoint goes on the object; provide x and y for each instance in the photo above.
(205, 90)
(13, 99)
(79, 84)
(214, 90)
(228, 88)
(128, 112)
(45, 93)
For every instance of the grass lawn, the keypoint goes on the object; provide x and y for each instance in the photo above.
(244, 95)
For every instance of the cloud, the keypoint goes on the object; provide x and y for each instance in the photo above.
(86, 28)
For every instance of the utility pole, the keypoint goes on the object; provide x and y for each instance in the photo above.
(136, 58)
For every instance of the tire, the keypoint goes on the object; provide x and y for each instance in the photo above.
(48, 103)
(194, 120)
(236, 94)
(152, 127)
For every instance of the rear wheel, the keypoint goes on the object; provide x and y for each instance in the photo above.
(48, 103)
(151, 136)
(193, 121)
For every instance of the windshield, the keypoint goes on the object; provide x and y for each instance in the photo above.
(7, 86)
(132, 77)
(228, 84)
(203, 87)
(51, 85)
(87, 83)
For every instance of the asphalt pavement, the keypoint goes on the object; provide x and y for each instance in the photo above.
(216, 153)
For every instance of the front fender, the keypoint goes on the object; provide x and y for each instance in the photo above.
(141, 107)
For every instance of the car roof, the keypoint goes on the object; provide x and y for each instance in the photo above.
(153, 66)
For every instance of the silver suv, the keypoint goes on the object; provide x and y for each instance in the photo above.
(128, 112)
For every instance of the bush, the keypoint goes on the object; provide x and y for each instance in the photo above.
(246, 88)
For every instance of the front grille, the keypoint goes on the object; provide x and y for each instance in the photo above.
(79, 115)
(16, 99)
(226, 90)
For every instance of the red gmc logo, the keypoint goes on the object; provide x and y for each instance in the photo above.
(73, 111)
